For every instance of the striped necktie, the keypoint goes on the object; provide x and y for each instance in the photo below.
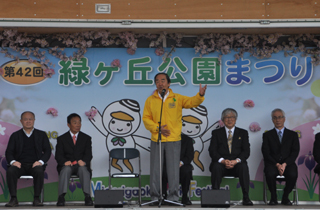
(230, 140)
(280, 136)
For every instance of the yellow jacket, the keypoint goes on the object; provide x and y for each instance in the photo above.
(171, 114)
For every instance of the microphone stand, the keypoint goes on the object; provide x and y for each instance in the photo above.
(160, 200)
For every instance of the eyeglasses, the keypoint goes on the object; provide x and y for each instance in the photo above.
(230, 118)
(277, 118)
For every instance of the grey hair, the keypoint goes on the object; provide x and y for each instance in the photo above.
(27, 112)
(228, 111)
(278, 110)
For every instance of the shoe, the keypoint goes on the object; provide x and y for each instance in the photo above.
(286, 202)
(186, 201)
(273, 202)
(13, 202)
(37, 202)
(247, 202)
(88, 201)
(61, 201)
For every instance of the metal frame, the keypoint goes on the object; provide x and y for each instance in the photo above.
(159, 23)
(26, 177)
(279, 178)
(121, 154)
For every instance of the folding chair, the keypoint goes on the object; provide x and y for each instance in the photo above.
(26, 177)
(279, 179)
(231, 177)
(125, 154)
(75, 176)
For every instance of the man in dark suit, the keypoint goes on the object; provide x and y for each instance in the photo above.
(186, 157)
(280, 149)
(229, 150)
(27, 152)
(316, 152)
(73, 155)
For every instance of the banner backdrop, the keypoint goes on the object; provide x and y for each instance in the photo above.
(253, 87)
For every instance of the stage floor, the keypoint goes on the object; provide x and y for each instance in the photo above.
(196, 206)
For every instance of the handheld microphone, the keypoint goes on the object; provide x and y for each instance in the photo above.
(163, 92)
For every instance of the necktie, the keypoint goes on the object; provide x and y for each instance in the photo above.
(230, 140)
(74, 139)
(280, 136)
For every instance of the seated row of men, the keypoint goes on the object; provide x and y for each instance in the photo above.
(230, 149)
(29, 149)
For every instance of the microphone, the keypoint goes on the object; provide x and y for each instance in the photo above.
(163, 92)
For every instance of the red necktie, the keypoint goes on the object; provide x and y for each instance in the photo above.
(74, 141)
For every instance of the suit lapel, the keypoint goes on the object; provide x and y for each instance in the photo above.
(224, 138)
(36, 139)
(20, 141)
(284, 135)
(79, 139)
(235, 137)
(70, 140)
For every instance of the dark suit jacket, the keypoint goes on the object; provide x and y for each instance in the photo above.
(286, 152)
(316, 152)
(219, 145)
(15, 145)
(67, 151)
(187, 151)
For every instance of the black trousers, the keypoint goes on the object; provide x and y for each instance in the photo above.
(185, 178)
(290, 174)
(241, 170)
(14, 173)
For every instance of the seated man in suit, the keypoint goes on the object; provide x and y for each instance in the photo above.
(280, 149)
(73, 155)
(229, 150)
(186, 157)
(316, 153)
(27, 152)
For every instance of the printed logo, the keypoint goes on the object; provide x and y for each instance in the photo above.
(22, 72)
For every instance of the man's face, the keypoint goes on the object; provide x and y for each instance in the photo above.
(162, 83)
(27, 121)
(278, 120)
(75, 125)
(229, 120)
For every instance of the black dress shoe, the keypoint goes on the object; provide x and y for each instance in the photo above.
(273, 202)
(12, 203)
(286, 202)
(186, 201)
(88, 201)
(247, 202)
(61, 201)
(37, 202)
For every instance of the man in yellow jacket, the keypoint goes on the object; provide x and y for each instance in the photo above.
(171, 126)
